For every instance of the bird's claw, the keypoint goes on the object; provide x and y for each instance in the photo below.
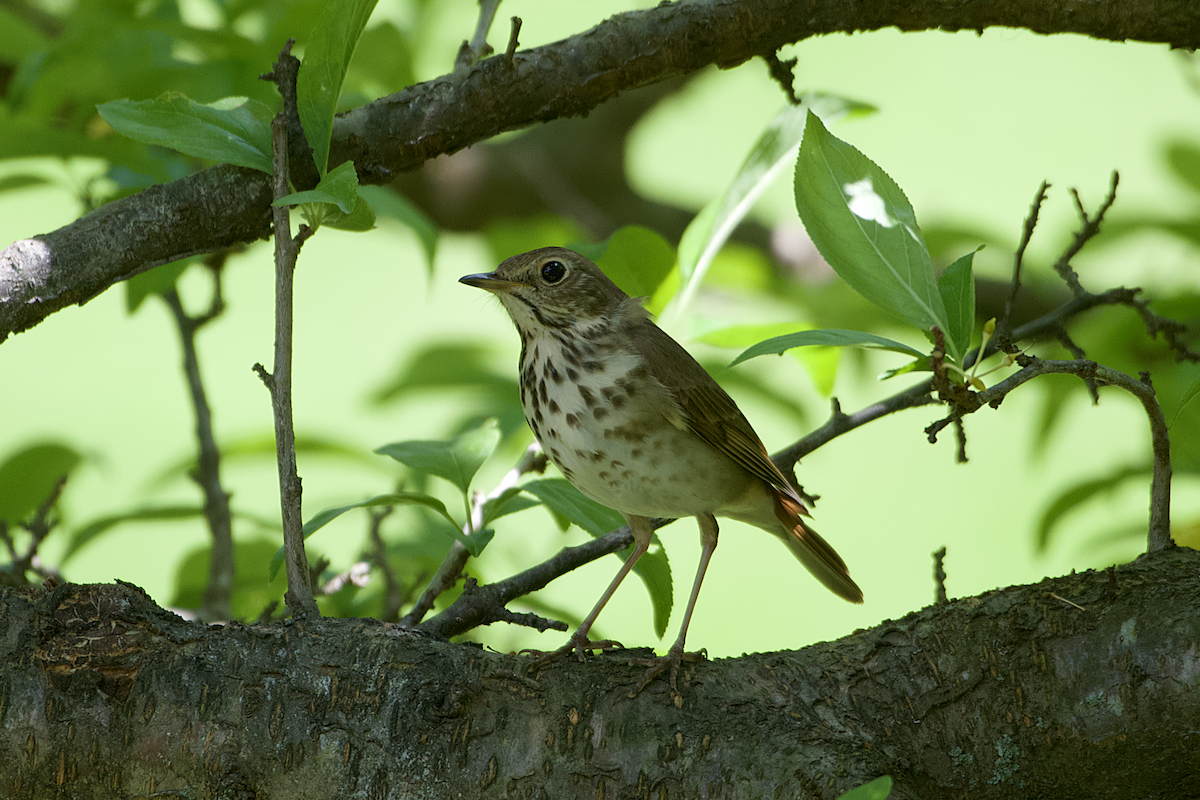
(660, 664)
(577, 644)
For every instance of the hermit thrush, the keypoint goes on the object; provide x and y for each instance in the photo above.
(636, 424)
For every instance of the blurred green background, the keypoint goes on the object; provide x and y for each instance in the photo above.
(969, 125)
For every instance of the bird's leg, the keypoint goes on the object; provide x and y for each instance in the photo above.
(579, 641)
(676, 655)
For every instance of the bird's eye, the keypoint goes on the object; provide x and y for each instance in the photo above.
(553, 271)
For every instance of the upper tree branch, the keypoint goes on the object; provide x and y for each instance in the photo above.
(227, 205)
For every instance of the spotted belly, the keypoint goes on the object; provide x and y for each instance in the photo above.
(617, 435)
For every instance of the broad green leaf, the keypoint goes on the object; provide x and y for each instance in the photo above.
(820, 363)
(152, 282)
(250, 595)
(28, 477)
(1076, 495)
(81, 536)
(456, 460)
(878, 789)
(236, 130)
(510, 501)
(362, 218)
(558, 495)
(339, 187)
(11, 183)
(635, 258)
(393, 205)
(827, 337)
(956, 285)
(865, 228)
(774, 148)
(327, 55)
(1183, 157)
(1188, 396)
(323, 518)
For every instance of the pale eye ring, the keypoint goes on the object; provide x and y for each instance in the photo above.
(553, 271)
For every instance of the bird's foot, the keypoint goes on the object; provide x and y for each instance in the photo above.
(578, 644)
(660, 664)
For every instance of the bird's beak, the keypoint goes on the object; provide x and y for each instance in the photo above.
(489, 282)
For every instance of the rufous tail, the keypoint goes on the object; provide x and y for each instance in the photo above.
(814, 552)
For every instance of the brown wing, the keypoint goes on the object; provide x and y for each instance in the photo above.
(708, 411)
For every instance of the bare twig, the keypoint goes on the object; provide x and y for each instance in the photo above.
(534, 460)
(513, 43)
(1002, 325)
(39, 527)
(478, 47)
(1159, 533)
(217, 592)
(939, 575)
(1089, 228)
(781, 72)
(469, 611)
(299, 596)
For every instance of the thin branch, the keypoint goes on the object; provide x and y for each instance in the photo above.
(299, 596)
(1087, 231)
(226, 205)
(1159, 531)
(1035, 209)
(219, 589)
(513, 40)
(534, 460)
(781, 73)
(469, 611)
(939, 576)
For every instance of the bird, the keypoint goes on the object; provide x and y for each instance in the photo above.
(636, 424)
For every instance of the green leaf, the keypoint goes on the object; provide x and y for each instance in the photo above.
(456, 460)
(774, 148)
(1183, 157)
(28, 477)
(362, 218)
(1076, 495)
(236, 130)
(865, 228)
(956, 285)
(878, 789)
(81, 536)
(339, 187)
(827, 337)
(391, 204)
(636, 259)
(152, 282)
(21, 181)
(558, 495)
(327, 55)
(323, 518)
(510, 501)
(1188, 396)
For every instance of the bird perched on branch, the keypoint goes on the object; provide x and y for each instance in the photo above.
(636, 424)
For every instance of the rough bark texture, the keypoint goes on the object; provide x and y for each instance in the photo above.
(227, 205)
(1017, 693)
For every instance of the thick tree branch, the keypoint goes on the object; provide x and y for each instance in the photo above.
(1076, 687)
(228, 205)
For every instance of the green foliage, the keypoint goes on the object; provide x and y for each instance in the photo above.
(236, 130)
(865, 228)
(326, 58)
(878, 789)
(826, 337)
(637, 259)
(456, 460)
(28, 477)
(570, 504)
(711, 228)
(251, 595)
